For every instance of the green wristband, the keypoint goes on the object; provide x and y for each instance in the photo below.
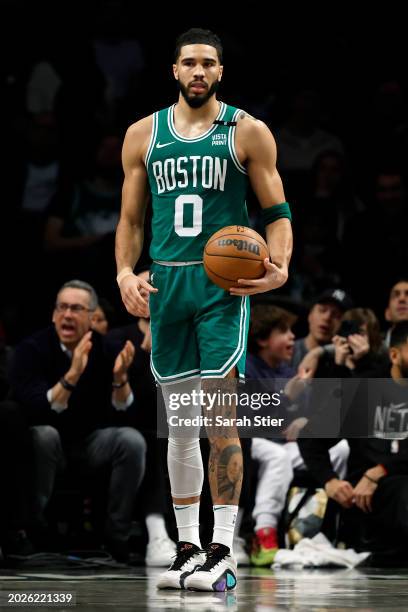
(275, 212)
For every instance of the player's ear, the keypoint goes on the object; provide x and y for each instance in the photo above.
(175, 71)
(220, 73)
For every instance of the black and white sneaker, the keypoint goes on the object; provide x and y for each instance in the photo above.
(189, 557)
(218, 573)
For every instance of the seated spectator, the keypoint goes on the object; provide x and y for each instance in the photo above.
(356, 349)
(83, 215)
(374, 492)
(15, 477)
(271, 342)
(397, 309)
(319, 223)
(357, 346)
(29, 186)
(301, 140)
(68, 84)
(324, 320)
(103, 317)
(154, 503)
(75, 396)
(382, 224)
(42, 88)
(332, 192)
(386, 109)
(119, 56)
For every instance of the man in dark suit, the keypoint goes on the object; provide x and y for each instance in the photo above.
(76, 395)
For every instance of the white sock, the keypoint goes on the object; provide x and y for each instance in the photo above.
(265, 519)
(156, 527)
(187, 519)
(238, 522)
(224, 523)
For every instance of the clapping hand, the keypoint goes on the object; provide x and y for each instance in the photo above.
(123, 362)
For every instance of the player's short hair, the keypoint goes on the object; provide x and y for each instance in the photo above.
(198, 36)
(78, 284)
(399, 334)
(264, 319)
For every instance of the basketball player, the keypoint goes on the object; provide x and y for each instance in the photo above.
(195, 159)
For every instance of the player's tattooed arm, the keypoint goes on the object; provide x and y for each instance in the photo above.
(243, 115)
(256, 150)
(130, 229)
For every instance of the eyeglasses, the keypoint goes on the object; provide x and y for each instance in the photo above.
(62, 307)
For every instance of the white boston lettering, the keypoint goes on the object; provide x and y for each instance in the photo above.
(169, 173)
(182, 183)
(220, 174)
(194, 159)
(205, 172)
(158, 175)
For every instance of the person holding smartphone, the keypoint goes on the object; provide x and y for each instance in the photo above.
(358, 344)
(356, 349)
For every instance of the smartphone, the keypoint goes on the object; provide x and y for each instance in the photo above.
(347, 328)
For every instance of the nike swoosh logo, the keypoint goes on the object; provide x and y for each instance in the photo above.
(165, 144)
(181, 507)
(220, 508)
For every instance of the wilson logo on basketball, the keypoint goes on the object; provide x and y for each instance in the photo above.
(232, 253)
(241, 245)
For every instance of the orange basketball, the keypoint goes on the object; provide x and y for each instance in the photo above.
(234, 252)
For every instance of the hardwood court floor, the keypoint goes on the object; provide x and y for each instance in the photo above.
(258, 590)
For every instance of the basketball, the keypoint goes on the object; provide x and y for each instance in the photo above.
(234, 252)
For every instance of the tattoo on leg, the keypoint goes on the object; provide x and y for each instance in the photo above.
(213, 460)
(225, 472)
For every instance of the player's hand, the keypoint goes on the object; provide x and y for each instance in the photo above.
(80, 357)
(273, 278)
(123, 362)
(341, 491)
(135, 295)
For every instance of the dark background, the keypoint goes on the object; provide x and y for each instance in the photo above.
(353, 67)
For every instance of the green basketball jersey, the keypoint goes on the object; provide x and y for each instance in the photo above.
(198, 186)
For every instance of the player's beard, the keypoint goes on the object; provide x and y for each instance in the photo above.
(197, 101)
